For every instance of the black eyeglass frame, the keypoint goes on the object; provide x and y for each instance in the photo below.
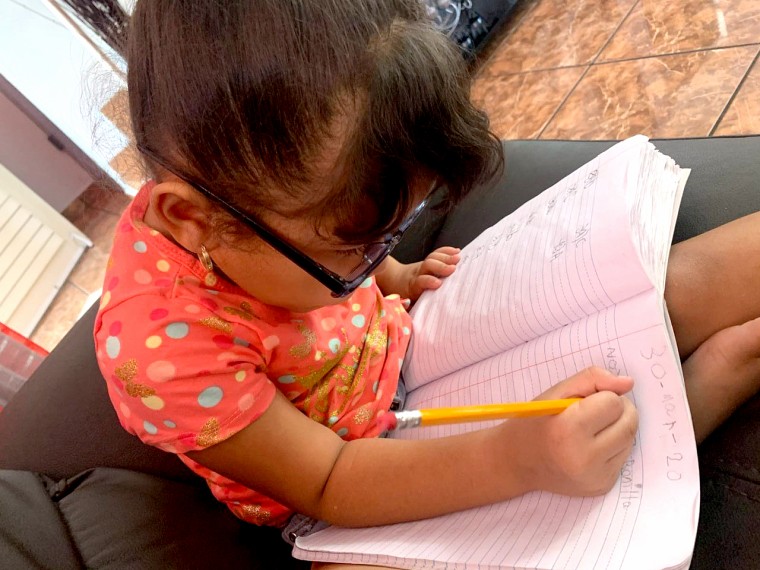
(338, 286)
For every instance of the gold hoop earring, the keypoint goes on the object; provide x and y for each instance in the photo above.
(205, 259)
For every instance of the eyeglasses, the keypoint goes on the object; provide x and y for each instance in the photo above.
(373, 254)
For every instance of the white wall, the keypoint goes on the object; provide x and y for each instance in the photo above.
(26, 152)
(60, 75)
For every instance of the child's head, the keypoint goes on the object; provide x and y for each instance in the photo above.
(328, 120)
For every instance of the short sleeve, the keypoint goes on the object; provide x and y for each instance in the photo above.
(180, 376)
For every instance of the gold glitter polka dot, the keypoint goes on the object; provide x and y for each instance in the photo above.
(105, 299)
(163, 265)
(309, 339)
(209, 434)
(240, 375)
(139, 390)
(210, 279)
(217, 323)
(244, 312)
(362, 415)
(127, 371)
(258, 513)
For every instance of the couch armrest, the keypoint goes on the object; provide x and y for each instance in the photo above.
(61, 422)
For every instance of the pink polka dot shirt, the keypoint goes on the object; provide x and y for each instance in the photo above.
(190, 358)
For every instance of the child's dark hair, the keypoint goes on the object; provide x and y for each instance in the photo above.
(246, 96)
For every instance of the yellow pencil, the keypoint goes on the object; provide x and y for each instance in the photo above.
(439, 416)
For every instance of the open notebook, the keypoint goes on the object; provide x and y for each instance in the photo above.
(574, 277)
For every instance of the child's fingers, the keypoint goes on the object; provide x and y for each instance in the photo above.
(599, 411)
(619, 458)
(425, 282)
(619, 435)
(449, 258)
(589, 381)
(437, 268)
(447, 250)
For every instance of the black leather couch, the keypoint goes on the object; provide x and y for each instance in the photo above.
(77, 491)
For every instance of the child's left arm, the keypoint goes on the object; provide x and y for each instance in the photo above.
(410, 280)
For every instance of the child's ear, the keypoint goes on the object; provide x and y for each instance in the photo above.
(183, 213)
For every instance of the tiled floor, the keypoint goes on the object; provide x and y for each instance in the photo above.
(570, 69)
(607, 69)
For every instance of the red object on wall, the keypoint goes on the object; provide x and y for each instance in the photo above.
(19, 358)
(22, 340)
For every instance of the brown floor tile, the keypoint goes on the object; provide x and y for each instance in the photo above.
(99, 226)
(117, 111)
(558, 33)
(743, 116)
(129, 166)
(656, 27)
(520, 105)
(60, 317)
(106, 197)
(90, 270)
(520, 13)
(75, 211)
(669, 96)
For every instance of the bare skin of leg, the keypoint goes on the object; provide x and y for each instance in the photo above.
(713, 300)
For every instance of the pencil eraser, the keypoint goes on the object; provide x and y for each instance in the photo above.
(387, 421)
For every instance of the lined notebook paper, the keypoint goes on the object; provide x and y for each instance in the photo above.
(574, 277)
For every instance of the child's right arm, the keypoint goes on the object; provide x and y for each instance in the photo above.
(367, 482)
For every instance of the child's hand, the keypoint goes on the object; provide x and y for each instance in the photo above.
(430, 272)
(409, 281)
(580, 451)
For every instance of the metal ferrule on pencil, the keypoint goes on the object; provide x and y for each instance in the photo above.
(408, 419)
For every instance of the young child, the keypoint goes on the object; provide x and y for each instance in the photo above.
(251, 319)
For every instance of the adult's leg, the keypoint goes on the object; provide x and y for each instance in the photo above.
(712, 281)
(713, 303)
